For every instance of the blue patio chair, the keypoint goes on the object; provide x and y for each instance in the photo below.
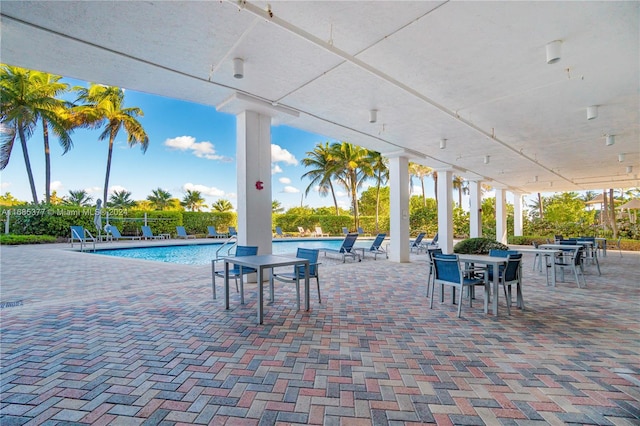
(346, 248)
(236, 271)
(432, 272)
(213, 233)
(83, 236)
(297, 274)
(182, 233)
(448, 272)
(376, 247)
(148, 234)
(510, 274)
(571, 258)
(116, 235)
(417, 243)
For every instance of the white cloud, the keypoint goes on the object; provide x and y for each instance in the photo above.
(57, 186)
(117, 188)
(276, 169)
(290, 190)
(284, 180)
(341, 194)
(205, 190)
(203, 149)
(280, 155)
(94, 190)
(5, 185)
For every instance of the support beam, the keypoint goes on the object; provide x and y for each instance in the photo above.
(517, 214)
(501, 216)
(475, 209)
(445, 210)
(253, 152)
(399, 209)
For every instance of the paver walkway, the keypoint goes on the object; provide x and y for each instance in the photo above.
(88, 339)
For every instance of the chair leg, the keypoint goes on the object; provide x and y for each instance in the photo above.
(507, 296)
(459, 302)
(318, 285)
(298, 292)
(241, 288)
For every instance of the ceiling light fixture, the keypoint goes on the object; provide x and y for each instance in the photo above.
(487, 158)
(621, 157)
(443, 143)
(553, 51)
(373, 116)
(238, 68)
(611, 139)
(629, 169)
(592, 112)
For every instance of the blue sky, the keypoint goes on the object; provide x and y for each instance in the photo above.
(191, 146)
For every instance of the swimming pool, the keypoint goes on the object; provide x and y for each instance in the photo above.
(202, 254)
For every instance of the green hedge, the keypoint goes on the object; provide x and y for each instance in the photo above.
(478, 246)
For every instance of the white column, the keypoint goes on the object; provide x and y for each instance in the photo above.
(517, 213)
(445, 210)
(253, 158)
(501, 216)
(399, 209)
(475, 209)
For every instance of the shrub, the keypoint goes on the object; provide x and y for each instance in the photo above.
(11, 239)
(478, 246)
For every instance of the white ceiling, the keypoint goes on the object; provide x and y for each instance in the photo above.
(472, 72)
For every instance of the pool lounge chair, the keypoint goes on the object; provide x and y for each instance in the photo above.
(362, 232)
(115, 234)
(83, 236)
(213, 233)
(147, 234)
(182, 233)
(417, 243)
(233, 232)
(347, 249)
(345, 230)
(302, 231)
(281, 234)
(376, 247)
(319, 232)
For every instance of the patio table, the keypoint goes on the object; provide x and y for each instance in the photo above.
(493, 261)
(549, 255)
(260, 263)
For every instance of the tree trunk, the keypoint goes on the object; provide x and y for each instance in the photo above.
(377, 205)
(540, 206)
(106, 177)
(612, 214)
(27, 164)
(424, 194)
(333, 194)
(47, 162)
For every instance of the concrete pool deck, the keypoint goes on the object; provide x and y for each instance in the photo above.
(103, 340)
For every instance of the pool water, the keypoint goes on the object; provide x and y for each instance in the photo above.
(202, 254)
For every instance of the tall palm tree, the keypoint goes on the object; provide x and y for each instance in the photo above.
(420, 172)
(193, 201)
(222, 206)
(459, 185)
(121, 200)
(78, 198)
(350, 167)
(276, 207)
(159, 199)
(105, 105)
(27, 97)
(320, 174)
(381, 177)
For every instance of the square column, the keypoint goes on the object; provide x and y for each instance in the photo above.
(517, 214)
(475, 209)
(445, 210)
(501, 216)
(399, 208)
(253, 152)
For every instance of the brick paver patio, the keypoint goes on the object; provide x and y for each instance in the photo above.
(88, 339)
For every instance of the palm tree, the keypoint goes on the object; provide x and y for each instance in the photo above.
(381, 177)
(222, 205)
(320, 174)
(193, 201)
(276, 207)
(350, 167)
(419, 171)
(159, 199)
(28, 97)
(105, 104)
(121, 200)
(459, 185)
(78, 198)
